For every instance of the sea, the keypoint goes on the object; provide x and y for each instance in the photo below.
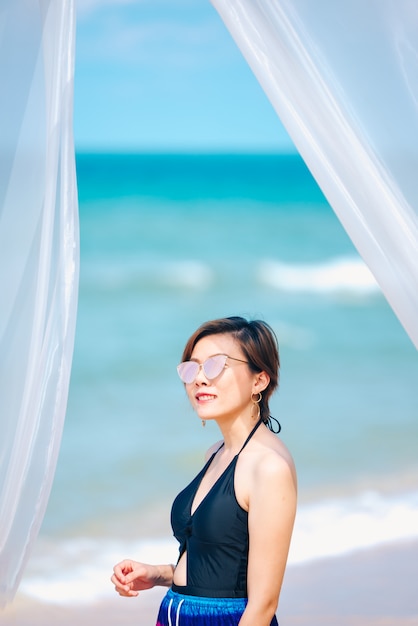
(169, 241)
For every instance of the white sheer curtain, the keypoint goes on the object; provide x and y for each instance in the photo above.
(38, 264)
(343, 78)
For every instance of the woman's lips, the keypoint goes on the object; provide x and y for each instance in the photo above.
(204, 397)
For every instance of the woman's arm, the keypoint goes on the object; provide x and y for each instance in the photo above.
(131, 577)
(271, 515)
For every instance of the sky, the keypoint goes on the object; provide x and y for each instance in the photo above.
(166, 75)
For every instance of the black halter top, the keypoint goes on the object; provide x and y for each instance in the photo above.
(214, 537)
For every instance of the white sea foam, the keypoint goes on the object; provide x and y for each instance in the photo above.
(114, 276)
(191, 274)
(78, 570)
(340, 275)
(336, 527)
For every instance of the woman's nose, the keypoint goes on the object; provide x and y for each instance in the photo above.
(201, 377)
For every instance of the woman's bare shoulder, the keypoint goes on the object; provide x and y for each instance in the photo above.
(214, 448)
(272, 457)
(267, 468)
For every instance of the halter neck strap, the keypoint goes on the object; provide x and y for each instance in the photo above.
(260, 421)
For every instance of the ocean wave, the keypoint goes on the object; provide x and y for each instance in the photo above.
(337, 275)
(77, 570)
(186, 274)
(337, 527)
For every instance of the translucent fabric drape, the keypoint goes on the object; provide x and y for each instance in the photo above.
(343, 78)
(38, 264)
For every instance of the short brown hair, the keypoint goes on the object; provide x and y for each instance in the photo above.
(258, 343)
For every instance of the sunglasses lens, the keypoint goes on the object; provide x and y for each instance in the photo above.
(214, 366)
(188, 371)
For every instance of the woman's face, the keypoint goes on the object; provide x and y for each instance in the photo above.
(229, 394)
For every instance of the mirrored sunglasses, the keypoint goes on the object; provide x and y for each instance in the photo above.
(212, 367)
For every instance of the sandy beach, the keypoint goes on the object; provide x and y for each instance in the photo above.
(375, 587)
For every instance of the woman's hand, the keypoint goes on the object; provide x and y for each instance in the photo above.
(131, 577)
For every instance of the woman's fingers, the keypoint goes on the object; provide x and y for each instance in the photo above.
(123, 589)
(123, 577)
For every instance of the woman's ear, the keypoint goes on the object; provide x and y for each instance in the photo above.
(261, 382)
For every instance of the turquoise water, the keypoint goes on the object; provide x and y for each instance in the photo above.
(169, 241)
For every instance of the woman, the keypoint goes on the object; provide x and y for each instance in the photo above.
(235, 519)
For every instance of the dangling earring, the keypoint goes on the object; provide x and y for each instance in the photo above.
(203, 423)
(256, 405)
